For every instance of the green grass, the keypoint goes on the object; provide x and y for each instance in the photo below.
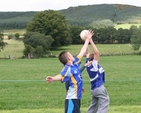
(13, 31)
(14, 49)
(103, 49)
(24, 89)
(112, 109)
(125, 26)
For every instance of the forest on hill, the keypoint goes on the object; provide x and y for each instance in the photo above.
(101, 14)
(89, 15)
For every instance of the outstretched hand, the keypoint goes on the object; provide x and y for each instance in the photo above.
(89, 34)
(49, 79)
(88, 63)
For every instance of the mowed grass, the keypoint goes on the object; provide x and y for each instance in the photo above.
(104, 49)
(24, 89)
(15, 48)
(13, 31)
(113, 109)
(125, 26)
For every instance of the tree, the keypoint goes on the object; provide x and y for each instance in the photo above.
(36, 44)
(75, 31)
(10, 36)
(51, 23)
(136, 39)
(2, 44)
(17, 35)
(123, 36)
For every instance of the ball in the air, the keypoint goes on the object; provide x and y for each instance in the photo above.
(83, 34)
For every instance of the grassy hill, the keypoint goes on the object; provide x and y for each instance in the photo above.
(113, 13)
(81, 15)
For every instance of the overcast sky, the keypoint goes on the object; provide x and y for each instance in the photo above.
(41, 5)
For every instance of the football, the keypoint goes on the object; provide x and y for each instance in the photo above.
(83, 34)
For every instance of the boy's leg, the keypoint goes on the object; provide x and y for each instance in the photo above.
(103, 100)
(72, 106)
(94, 103)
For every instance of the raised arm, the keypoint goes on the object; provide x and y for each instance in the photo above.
(87, 53)
(95, 50)
(85, 46)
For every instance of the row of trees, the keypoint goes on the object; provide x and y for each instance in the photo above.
(49, 29)
(98, 15)
(13, 25)
(15, 20)
(2, 44)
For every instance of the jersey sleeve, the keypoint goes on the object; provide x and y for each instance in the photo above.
(87, 60)
(82, 68)
(65, 74)
(77, 60)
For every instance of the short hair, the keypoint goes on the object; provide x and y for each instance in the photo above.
(91, 56)
(63, 57)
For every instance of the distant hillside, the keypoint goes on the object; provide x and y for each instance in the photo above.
(81, 15)
(15, 20)
(85, 15)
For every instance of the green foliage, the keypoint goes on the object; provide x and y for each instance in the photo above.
(75, 31)
(103, 14)
(103, 35)
(15, 20)
(102, 23)
(39, 51)
(51, 23)
(136, 38)
(17, 35)
(2, 44)
(28, 51)
(10, 36)
(35, 42)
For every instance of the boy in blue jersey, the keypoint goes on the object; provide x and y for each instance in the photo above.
(71, 74)
(100, 99)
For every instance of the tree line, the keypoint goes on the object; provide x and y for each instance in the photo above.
(49, 29)
(96, 15)
(52, 25)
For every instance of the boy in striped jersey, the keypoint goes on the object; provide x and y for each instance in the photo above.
(72, 75)
(100, 98)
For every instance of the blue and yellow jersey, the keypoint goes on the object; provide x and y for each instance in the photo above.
(72, 75)
(96, 74)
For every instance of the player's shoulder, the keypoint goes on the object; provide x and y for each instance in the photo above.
(95, 62)
(66, 67)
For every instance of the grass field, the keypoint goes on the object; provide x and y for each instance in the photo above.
(24, 89)
(125, 26)
(15, 48)
(13, 31)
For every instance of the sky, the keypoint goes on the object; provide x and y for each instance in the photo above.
(41, 5)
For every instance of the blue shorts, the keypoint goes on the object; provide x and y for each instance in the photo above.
(72, 106)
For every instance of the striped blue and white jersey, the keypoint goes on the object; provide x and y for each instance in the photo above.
(96, 74)
(72, 75)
